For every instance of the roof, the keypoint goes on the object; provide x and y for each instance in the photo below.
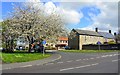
(86, 32)
(63, 38)
(107, 35)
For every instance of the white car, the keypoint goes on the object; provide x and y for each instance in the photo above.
(22, 43)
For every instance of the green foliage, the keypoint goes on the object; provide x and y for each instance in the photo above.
(88, 51)
(50, 48)
(111, 42)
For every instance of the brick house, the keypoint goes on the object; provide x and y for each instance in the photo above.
(77, 38)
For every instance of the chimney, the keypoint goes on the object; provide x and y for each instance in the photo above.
(115, 34)
(96, 29)
(110, 31)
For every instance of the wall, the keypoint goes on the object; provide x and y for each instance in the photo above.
(86, 39)
(73, 40)
(76, 41)
(63, 42)
(102, 47)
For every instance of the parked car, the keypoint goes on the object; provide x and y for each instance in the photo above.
(67, 47)
(22, 43)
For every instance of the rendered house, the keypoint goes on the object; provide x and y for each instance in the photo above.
(78, 38)
(62, 42)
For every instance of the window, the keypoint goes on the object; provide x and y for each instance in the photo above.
(46, 44)
(51, 44)
(66, 41)
(61, 41)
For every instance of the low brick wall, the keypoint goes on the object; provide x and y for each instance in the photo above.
(102, 47)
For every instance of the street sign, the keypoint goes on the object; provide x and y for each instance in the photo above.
(44, 42)
(98, 43)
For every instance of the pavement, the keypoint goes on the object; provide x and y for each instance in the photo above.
(52, 58)
(74, 63)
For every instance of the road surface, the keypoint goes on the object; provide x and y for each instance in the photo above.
(75, 63)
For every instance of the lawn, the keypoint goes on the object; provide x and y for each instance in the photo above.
(22, 57)
(89, 51)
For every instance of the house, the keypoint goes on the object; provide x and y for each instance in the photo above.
(78, 38)
(107, 36)
(62, 42)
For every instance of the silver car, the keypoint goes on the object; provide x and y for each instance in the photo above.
(22, 43)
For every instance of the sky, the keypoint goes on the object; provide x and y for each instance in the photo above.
(78, 14)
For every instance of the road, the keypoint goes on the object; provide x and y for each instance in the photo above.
(75, 63)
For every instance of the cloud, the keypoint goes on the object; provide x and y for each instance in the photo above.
(107, 19)
(70, 16)
(102, 28)
(85, 0)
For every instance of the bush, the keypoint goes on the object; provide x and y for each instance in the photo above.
(50, 48)
(111, 42)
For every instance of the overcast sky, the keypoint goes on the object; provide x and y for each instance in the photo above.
(79, 14)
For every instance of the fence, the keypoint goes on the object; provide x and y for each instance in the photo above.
(101, 47)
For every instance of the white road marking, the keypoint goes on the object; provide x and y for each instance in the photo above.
(83, 66)
(103, 56)
(114, 54)
(58, 58)
(110, 55)
(78, 67)
(70, 61)
(97, 57)
(26, 66)
(66, 69)
(59, 62)
(95, 64)
(115, 60)
(84, 59)
(49, 63)
(78, 60)
(91, 58)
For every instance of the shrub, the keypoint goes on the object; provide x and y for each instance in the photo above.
(111, 42)
(50, 48)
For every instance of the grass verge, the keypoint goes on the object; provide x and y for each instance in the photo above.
(22, 57)
(89, 51)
